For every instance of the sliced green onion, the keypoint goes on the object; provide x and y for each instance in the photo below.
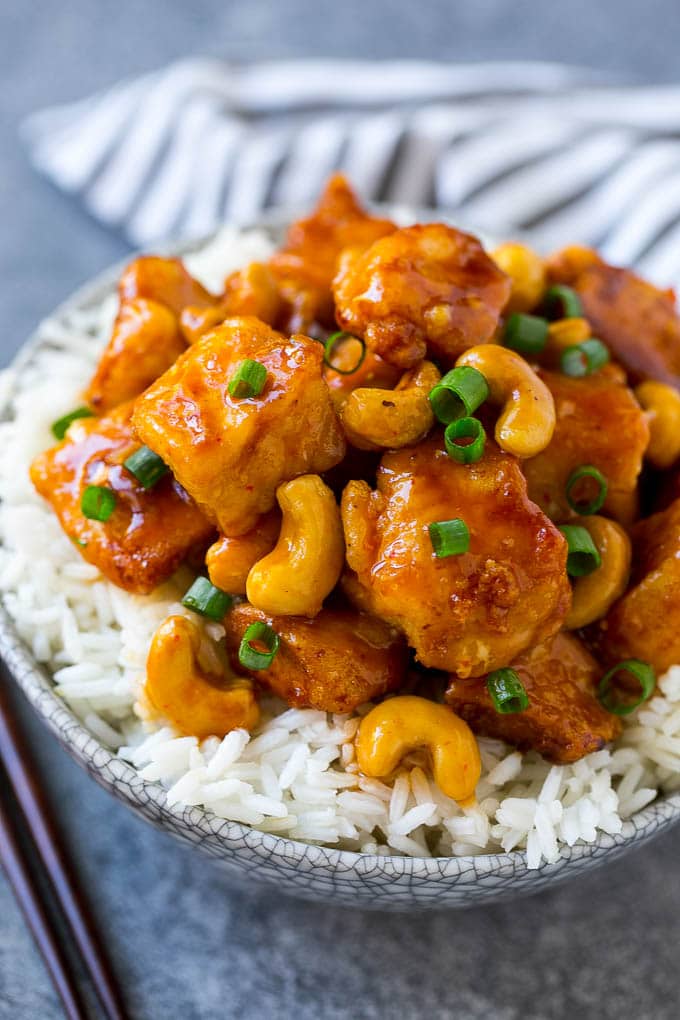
(78, 541)
(582, 556)
(329, 348)
(254, 658)
(560, 302)
(458, 394)
(449, 538)
(207, 600)
(147, 467)
(97, 502)
(465, 428)
(507, 692)
(526, 334)
(586, 471)
(615, 698)
(60, 426)
(248, 380)
(584, 359)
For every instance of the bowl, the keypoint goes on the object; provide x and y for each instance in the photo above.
(312, 872)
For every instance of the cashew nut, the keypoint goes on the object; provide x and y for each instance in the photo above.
(375, 419)
(196, 702)
(593, 594)
(402, 724)
(662, 404)
(306, 562)
(526, 272)
(229, 560)
(526, 423)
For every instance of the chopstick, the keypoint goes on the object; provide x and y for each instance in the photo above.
(27, 830)
(35, 913)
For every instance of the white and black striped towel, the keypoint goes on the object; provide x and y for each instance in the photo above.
(551, 150)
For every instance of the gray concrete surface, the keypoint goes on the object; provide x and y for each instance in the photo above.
(185, 943)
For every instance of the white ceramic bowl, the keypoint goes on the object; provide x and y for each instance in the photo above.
(318, 873)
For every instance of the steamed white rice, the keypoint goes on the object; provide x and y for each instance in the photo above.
(296, 773)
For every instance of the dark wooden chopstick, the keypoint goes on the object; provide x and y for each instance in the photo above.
(40, 831)
(39, 921)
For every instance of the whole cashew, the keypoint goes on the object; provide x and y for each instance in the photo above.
(229, 560)
(306, 562)
(594, 594)
(526, 423)
(402, 724)
(662, 404)
(526, 272)
(375, 419)
(197, 703)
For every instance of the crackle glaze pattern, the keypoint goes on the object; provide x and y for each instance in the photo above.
(311, 872)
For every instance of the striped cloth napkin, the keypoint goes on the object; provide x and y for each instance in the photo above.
(557, 152)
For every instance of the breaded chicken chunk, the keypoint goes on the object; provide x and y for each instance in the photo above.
(599, 423)
(334, 662)
(466, 613)
(249, 291)
(149, 532)
(231, 452)
(637, 321)
(307, 262)
(423, 290)
(643, 624)
(145, 339)
(564, 720)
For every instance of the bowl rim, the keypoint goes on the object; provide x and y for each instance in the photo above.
(148, 797)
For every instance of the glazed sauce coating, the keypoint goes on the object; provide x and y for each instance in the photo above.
(231, 453)
(423, 290)
(599, 422)
(150, 531)
(334, 662)
(466, 613)
(564, 720)
(638, 322)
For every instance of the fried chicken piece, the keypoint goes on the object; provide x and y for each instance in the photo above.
(166, 281)
(428, 290)
(466, 613)
(643, 624)
(336, 661)
(637, 321)
(307, 262)
(145, 340)
(229, 560)
(249, 291)
(564, 720)
(599, 422)
(230, 453)
(150, 532)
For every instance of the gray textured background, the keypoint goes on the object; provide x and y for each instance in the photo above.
(186, 943)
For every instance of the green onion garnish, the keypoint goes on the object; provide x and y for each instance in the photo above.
(147, 467)
(465, 428)
(248, 380)
(458, 394)
(60, 426)
(97, 502)
(584, 359)
(507, 692)
(582, 556)
(329, 348)
(449, 538)
(207, 600)
(617, 699)
(254, 658)
(526, 334)
(586, 471)
(560, 302)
